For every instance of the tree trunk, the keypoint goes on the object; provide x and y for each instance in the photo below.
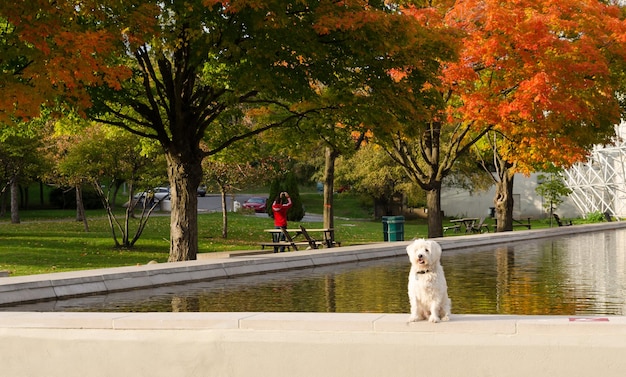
(3, 202)
(504, 201)
(15, 207)
(80, 208)
(41, 199)
(25, 198)
(224, 215)
(433, 203)
(329, 187)
(185, 174)
(116, 188)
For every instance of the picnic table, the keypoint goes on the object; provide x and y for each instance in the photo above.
(468, 222)
(291, 236)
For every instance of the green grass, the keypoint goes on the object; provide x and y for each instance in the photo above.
(52, 241)
(43, 246)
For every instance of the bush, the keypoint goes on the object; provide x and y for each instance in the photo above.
(65, 198)
(594, 217)
(289, 184)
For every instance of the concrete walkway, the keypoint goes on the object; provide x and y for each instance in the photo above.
(308, 344)
(294, 344)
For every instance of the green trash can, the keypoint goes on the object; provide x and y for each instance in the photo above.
(393, 228)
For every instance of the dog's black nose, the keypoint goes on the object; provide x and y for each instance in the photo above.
(420, 256)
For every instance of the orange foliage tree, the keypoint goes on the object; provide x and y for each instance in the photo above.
(57, 49)
(544, 75)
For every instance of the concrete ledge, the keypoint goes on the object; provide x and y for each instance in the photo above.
(294, 344)
(308, 344)
(32, 288)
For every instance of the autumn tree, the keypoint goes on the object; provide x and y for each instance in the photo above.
(426, 137)
(52, 51)
(544, 75)
(57, 49)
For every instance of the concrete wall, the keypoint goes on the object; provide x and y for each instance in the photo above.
(307, 344)
(462, 203)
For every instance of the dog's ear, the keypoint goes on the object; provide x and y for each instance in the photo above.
(411, 249)
(435, 249)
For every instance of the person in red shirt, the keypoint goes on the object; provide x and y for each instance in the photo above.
(280, 208)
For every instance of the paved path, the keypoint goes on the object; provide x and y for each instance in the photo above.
(213, 203)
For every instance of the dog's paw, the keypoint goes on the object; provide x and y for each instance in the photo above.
(445, 318)
(433, 319)
(414, 318)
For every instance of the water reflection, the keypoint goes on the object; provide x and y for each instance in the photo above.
(570, 275)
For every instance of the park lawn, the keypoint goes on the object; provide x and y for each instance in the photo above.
(44, 246)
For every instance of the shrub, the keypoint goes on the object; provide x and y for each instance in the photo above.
(287, 183)
(65, 198)
(594, 217)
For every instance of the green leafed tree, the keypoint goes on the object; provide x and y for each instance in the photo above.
(100, 157)
(21, 161)
(287, 183)
(552, 189)
(264, 61)
(372, 172)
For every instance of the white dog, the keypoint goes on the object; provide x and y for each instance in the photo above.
(428, 290)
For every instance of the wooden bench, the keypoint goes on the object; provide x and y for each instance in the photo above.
(328, 235)
(559, 222)
(456, 228)
(518, 223)
(290, 243)
(276, 243)
(481, 226)
(313, 243)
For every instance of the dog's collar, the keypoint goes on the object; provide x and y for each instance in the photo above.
(422, 272)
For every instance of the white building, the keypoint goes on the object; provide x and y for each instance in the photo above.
(599, 185)
(527, 203)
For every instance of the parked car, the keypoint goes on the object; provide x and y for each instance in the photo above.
(159, 193)
(202, 191)
(256, 203)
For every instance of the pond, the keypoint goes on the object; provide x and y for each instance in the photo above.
(569, 275)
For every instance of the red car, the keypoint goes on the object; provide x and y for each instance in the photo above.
(256, 203)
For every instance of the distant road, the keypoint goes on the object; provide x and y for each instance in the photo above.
(213, 203)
